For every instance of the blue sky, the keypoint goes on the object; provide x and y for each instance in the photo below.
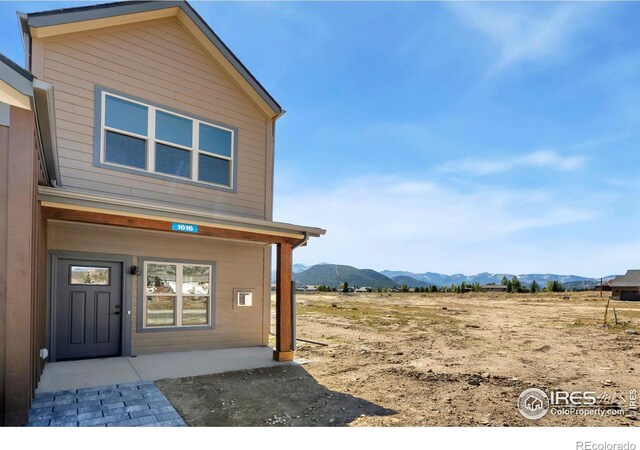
(446, 137)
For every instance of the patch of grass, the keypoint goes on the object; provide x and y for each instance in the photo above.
(408, 319)
(578, 323)
(620, 327)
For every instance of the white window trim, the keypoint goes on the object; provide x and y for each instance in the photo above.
(177, 295)
(151, 141)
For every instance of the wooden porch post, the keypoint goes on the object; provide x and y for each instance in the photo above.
(284, 338)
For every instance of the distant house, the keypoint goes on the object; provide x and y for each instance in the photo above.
(307, 288)
(493, 288)
(605, 287)
(364, 289)
(626, 287)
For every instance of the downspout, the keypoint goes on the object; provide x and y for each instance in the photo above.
(302, 241)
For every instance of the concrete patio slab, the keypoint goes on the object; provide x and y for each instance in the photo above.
(69, 375)
(65, 375)
(189, 364)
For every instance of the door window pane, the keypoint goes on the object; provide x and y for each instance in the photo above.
(124, 115)
(195, 310)
(173, 161)
(174, 129)
(161, 279)
(126, 150)
(195, 280)
(161, 311)
(85, 275)
(215, 140)
(214, 170)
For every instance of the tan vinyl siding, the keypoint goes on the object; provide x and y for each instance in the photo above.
(160, 62)
(238, 265)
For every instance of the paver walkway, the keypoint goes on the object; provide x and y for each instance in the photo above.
(125, 405)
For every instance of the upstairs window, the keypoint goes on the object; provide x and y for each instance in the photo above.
(136, 136)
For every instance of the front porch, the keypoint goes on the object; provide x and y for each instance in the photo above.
(88, 373)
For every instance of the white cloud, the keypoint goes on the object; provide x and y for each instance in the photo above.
(393, 222)
(524, 34)
(539, 159)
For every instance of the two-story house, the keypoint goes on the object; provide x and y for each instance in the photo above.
(136, 194)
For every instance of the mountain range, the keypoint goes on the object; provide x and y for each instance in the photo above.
(334, 274)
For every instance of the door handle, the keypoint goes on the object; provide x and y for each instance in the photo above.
(117, 313)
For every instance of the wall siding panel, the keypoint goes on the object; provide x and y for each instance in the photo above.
(158, 61)
(238, 265)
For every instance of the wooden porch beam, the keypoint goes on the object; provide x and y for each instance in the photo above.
(284, 350)
(97, 218)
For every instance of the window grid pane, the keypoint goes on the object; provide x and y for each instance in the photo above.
(161, 279)
(172, 128)
(214, 170)
(125, 150)
(195, 310)
(215, 140)
(173, 161)
(125, 115)
(195, 280)
(161, 311)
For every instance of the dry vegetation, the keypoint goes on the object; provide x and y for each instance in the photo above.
(431, 360)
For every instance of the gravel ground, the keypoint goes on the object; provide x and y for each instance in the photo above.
(429, 360)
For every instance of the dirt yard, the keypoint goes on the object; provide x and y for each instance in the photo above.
(429, 360)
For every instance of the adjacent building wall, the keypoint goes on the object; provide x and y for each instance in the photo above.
(158, 61)
(22, 268)
(625, 293)
(238, 265)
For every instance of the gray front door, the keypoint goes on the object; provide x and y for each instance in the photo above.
(88, 309)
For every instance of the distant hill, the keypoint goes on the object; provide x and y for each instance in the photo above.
(333, 275)
(336, 274)
(485, 278)
(410, 282)
(580, 285)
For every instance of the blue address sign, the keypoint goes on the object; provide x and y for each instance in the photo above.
(184, 227)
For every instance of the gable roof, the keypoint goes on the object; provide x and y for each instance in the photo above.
(57, 21)
(630, 279)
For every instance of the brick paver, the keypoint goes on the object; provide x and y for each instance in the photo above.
(123, 405)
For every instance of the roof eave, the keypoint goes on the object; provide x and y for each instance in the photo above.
(120, 204)
(23, 22)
